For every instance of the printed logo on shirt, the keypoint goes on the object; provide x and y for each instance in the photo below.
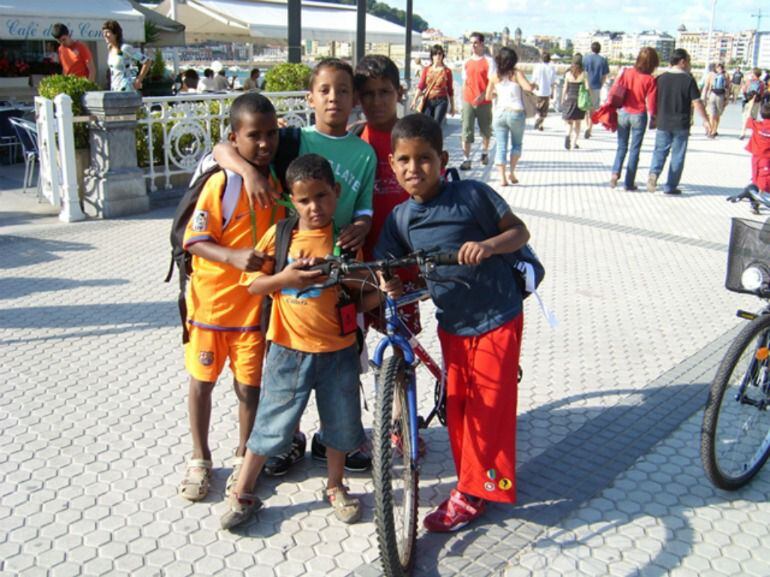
(292, 292)
(505, 484)
(199, 221)
(206, 358)
(489, 486)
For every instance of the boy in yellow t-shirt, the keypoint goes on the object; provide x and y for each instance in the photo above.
(309, 347)
(223, 316)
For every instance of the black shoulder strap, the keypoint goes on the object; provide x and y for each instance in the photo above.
(288, 149)
(283, 232)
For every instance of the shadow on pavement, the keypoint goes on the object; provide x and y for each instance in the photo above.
(16, 251)
(16, 287)
(140, 316)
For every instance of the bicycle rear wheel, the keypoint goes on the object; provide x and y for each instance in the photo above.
(395, 475)
(735, 436)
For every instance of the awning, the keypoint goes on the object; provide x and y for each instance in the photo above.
(33, 19)
(240, 20)
(170, 32)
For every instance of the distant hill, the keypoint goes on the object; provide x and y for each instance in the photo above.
(382, 10)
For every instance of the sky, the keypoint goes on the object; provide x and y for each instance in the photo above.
(567, 17)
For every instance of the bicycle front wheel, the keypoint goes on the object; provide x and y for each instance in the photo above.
(735, 436)
(395, 474)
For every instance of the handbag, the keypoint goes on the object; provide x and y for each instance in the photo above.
(530, 103)
(617, 95)
(421, 99)
(584, 98)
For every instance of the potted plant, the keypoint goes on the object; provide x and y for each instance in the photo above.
(158, 81)
(75, 87)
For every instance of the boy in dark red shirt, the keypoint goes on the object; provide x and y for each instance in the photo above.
(759, 147)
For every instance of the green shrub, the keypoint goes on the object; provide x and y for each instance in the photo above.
(75, 87)
(287, 77)
(158, 66)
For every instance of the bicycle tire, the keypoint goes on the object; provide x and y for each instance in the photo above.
(735, 436)
(395, 520)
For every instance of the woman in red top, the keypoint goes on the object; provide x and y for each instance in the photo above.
(436, 79)
(639, 100)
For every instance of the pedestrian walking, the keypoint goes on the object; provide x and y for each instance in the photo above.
(506, 91)
(477, 71)
(715, 96)
(122, 58)
(544, 79)
(597, 69)
(640, 100)
(436, 86)
(677, 94)
(74, 56)
(574, 78)
(736, 84)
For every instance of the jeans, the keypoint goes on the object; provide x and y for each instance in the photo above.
(676, 142)
(289, 377)
(508, 123)
(437, 108)
(634, 126)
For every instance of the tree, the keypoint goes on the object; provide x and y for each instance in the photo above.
(382, 10)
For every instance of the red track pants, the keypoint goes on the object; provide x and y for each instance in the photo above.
(481, 389)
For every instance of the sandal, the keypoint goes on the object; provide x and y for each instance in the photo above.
(232, 480)
(513, 179)
(241, 508)
(197, 477)
(346, 508)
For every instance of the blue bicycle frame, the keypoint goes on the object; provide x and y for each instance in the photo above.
(397, 337)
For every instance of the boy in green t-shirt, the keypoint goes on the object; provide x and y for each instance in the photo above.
(331, 96)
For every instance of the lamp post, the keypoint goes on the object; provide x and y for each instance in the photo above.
(711, 32)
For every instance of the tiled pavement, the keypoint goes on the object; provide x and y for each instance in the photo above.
(93, 413)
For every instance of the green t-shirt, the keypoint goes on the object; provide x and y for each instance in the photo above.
(353, 162)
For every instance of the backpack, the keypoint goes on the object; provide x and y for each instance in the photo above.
(283, 230)
(719, 83)
(184, 212)
(754, 87)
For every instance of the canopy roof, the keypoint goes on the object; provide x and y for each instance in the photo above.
(170, 32)
(33, 19)
(244, 20)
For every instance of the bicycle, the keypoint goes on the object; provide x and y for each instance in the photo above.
(735, 434)
(756, 198)
(396, 420)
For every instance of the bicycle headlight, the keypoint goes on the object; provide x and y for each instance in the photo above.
(755, 277)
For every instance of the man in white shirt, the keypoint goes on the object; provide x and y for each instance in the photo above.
(544, 77)
(207, 82)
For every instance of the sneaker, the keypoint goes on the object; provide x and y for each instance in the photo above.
(346, 508)
(241, 508)
(566, 142)
(587, 134)
(673, 192)
(652, 182)
(454, 513)
(466, 165)
(356, 461)
(280, 464)
(575, 146)
(614, 180)
(484, 158)
(632, 188)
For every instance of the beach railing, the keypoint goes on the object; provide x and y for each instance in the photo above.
(175, 132)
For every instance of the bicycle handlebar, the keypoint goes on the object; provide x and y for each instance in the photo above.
(336, 267)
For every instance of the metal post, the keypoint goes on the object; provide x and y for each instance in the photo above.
(70, 210)
(295, 31)
(755, 55)
(408, 46)
(711, 32)
(360, 30)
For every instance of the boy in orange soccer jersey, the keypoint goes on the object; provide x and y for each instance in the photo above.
(224, 316)
(311, 348)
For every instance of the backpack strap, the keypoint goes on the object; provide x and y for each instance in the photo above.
(231, 196)
(283, 232)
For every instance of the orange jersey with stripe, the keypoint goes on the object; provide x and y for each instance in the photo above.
(307, 322)
(216, 300)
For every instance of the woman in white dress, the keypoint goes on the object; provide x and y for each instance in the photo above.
(123, 77)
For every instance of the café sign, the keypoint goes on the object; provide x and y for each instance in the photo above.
(39, 27)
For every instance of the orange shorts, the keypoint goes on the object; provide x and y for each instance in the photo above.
(206, 352)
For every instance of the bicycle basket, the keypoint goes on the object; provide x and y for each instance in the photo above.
(749, 245)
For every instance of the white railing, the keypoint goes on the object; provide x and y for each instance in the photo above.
(56, 148)
(176, 131)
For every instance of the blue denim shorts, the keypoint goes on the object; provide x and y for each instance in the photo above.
(287, 380)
